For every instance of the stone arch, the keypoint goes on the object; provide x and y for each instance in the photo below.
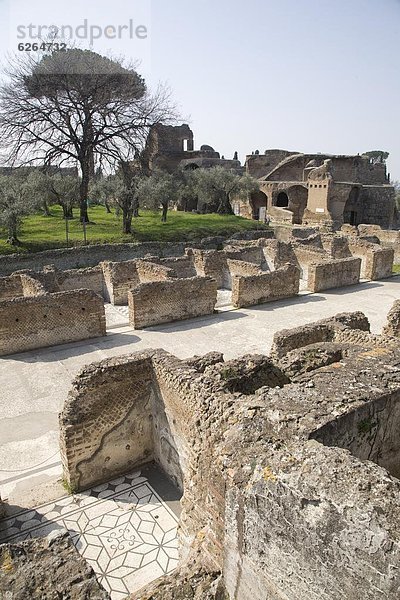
(191, 167)
(259, 203)
(353, 209)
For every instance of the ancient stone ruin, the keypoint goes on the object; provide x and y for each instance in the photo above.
(40, 308)
(287, 464)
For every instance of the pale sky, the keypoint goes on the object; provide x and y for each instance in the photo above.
(312, 76)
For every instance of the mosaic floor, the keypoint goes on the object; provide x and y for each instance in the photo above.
(124, 530)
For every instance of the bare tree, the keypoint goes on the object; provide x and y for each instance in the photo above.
(77, 107)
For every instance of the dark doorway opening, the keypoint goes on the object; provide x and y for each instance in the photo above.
(282, 200)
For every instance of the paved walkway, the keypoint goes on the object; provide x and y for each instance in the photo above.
(33, 385)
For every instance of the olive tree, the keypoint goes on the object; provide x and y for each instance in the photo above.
(160, 190)
(216, 187)
(15, 202)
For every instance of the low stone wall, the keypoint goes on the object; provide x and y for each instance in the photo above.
(324, 330)
(265, 287)
(149, 271)
(376, 262)
(211, 263)
(47, 320)
(32, 286)
(171, 300)
(89, 279)
(119, 278)
(392, 326)
(240, 267)
(389, 238)
(10, 287)
(333, 274)
(92, 255)
(181, 266)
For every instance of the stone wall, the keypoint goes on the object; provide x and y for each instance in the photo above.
(47, 568)
(248, 290)
(211, 263)
(32, 286)
(376, 262)
(369, 432)
(171, 300)
(106, 424)
(92, 255)
(47, 320)
(119, 278)
(268, 499)
(392, 326)
(333, 274)
(89, 279)
(10, 287)
(324, 330)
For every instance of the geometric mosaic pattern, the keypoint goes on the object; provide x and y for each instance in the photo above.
(122, 528)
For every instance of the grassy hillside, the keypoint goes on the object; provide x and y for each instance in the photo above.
(41, 233)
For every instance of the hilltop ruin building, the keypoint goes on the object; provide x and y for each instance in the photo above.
(170, 147)
(319, 189)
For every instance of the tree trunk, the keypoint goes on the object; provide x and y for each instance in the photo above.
(224, 207)
(46, 211)
(135, 207)
(164, 213)
(127, 220)
(108, 209)
(12, 233)
(67, 211)
(84, 190)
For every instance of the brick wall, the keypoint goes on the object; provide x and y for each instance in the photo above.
(149, 271)
(90, 279)
(333, 274)
(171, 300)
(119, 278)
(10, 287)
(105, 426)
(376, 262)
(47, 320)
(265, 287)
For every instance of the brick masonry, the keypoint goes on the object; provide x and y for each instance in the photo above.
(46, 320)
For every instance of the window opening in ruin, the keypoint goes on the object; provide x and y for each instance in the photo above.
(185, 145)
(282, 200)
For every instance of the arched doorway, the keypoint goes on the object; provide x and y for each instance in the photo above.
(352, 212)
(259, 202)
(282, 200)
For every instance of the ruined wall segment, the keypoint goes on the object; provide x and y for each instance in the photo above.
(171, 300)
(105, 425)
(333, 274)
(46, 320)
(248, 290)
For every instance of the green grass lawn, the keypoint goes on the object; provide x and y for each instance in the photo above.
(42, 233)
(396, 269)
